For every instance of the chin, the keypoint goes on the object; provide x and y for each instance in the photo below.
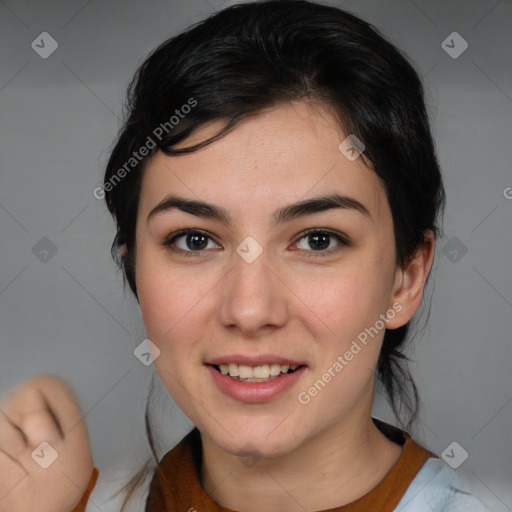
(263, 441)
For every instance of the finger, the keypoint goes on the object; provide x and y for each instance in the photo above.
(27, 412)
(12, 439)
(38, 427)
(29, 420)
(53, 415)
(12, 474)
(24, 399)
(61, 403)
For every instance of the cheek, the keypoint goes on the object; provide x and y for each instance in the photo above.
(176, 307)
(349, 344)
(168, 298)
(345, 301)
(171, 304)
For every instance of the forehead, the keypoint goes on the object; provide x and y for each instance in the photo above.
(288, 153)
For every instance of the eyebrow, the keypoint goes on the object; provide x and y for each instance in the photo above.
(280, 216)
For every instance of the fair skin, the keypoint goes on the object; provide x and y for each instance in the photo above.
(293, 301)
(43, 409)
(214, 304)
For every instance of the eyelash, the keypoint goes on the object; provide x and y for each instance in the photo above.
(343, 241)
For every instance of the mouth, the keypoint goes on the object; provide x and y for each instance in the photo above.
(259, 373)
(255, 379)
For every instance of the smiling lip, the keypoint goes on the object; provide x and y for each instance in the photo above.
(254, 391)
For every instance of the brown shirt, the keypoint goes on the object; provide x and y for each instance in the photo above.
(80, 507)
(175, 486)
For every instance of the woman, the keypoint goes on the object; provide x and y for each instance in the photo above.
(277, 196)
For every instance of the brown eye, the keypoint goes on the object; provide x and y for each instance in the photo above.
(189, 241)
(196, 241)
(322, 242)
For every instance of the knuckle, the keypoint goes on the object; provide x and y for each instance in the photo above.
(39, 427)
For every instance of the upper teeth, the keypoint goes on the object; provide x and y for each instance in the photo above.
(262, 371)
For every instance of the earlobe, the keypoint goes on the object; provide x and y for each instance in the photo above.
(410, 282)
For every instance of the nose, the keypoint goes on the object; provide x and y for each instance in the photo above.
(254, 297)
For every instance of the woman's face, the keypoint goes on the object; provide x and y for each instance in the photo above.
(253, 290)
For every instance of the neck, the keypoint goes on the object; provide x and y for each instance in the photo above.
(332, 469)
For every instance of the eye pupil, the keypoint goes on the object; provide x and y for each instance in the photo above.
(193, 238)
(317, 237)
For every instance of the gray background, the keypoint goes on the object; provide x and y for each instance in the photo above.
(68, 315)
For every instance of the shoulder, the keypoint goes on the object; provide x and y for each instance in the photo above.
(108, 496)
(439, 488)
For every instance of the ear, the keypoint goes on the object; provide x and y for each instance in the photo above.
(123, 250)
(410, 282)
